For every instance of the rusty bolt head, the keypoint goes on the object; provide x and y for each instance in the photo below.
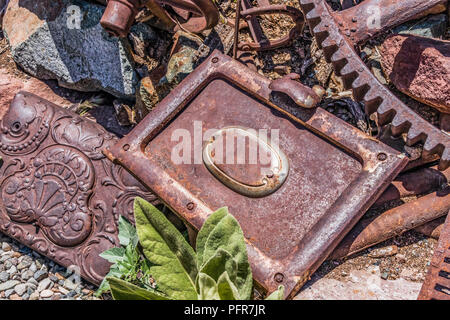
(190, 206)
(279, 277)
(126, 147)
(215, 60)
(382, 156)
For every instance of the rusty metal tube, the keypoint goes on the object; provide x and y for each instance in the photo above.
(369, 232)
(413, 183)
(370, 17)
(433, 228)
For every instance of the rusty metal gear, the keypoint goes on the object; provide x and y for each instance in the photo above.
(338, 33)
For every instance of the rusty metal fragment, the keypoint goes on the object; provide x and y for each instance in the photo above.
(291, 229)
(437, 281)
(369, 232)
(192, 15)
(59, 194)
(260, 42)
(339, 32)
(413, 183)
(433, 228)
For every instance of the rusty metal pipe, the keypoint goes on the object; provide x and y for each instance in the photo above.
(369, 232)
(413, 183)
(370, 17)
(432, 229)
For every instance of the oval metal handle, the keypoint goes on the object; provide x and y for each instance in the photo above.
(273, 177)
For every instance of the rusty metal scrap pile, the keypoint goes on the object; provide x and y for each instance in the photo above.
(306, 209)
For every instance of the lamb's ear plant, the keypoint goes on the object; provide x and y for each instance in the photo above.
(217, 270)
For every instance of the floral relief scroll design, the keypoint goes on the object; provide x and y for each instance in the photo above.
(82, 134)
(53, 193)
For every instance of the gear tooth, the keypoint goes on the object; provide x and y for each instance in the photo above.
(372, 100)
(329, 49)
(432, 146)
(360, 87)
(307, 5)
(348, 74)
(321, 36)
(385, 113)
(414, 136)
(399, 125)
(445, 159)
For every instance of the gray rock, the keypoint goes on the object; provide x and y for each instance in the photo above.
(4, 276)
(24, 264)
(33, 282)
(46, 294)
(433, 26)
(39, 275)
(8, 293)
(33, 267)
(34, 296)
(70, 285)
(8, 285)
(20, 289)
(6, 246)
(8, 264)
(44, 284)
(27, 274)
(26, 296)
(12, 270)
(78, 53)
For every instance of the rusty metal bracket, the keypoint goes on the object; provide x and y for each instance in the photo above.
(59, 194)
(260, 43)
(339, 32)
(191, 15)
(290, 231)
(437, 281)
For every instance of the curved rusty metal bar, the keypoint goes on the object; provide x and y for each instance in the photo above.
(267, 44)
(193, 15)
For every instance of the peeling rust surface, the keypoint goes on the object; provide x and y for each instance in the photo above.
(437, 281)
(59, 194)
(336, 172)
(192, 15)
(338, 33)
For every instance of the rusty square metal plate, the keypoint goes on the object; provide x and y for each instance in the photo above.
(293, 211)
(59, 194)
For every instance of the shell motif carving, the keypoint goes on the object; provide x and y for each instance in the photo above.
(53, 193)
(59, 194)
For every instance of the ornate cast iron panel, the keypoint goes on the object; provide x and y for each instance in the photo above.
(332, 171)
(59, 195)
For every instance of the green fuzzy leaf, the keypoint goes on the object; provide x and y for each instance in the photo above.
(206, 229)
(207, 288)
(173, 259)
(227, 290)
(104, 286)
(220, 262)
(127, 233)
(277, 294)
(227, 234)
(122, 290)
(113, 255)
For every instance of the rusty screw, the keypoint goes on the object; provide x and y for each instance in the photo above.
(279, 277)
(382, 156)
(190, 206)
(126, 147)
(215, 60)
